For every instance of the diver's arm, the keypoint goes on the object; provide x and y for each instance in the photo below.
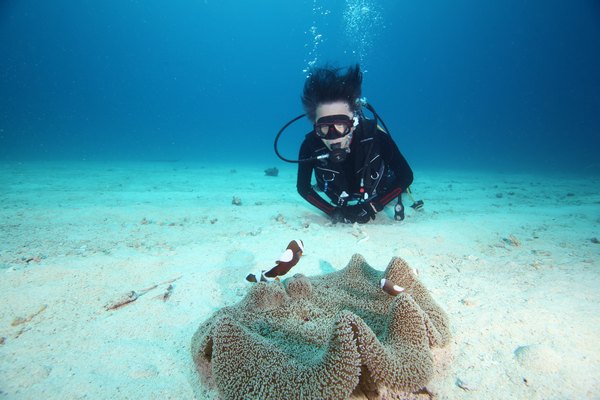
(304, 186)
(403, 174)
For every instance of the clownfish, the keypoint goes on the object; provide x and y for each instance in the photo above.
(286, 261)
(390, 288)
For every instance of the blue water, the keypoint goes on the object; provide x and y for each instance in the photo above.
(508, 85)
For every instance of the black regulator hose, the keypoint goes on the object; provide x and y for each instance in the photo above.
(369, 107)
(277, 140)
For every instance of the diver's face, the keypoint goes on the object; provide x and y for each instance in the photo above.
(336, 108)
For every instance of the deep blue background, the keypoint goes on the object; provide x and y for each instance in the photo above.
(506, 84)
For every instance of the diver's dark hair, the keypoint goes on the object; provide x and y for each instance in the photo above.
(328, 84)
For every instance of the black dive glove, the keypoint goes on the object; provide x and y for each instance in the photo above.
(361, 213)
(338, 216)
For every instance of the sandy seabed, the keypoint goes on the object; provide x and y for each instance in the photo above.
(513, 259)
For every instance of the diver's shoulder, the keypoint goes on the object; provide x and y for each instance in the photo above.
(311, 142)
(368, 127)
(309, 138)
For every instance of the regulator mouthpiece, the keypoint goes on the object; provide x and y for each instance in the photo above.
(337, 153)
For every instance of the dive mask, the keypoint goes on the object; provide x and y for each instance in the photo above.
(333, 127)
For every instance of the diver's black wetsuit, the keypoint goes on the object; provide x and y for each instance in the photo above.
(374, 159)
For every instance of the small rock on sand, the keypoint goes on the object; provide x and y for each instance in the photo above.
(537, 358)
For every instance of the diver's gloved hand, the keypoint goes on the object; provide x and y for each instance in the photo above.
(338, 216)
(361, 213)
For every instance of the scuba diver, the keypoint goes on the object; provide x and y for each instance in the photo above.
(355, 161)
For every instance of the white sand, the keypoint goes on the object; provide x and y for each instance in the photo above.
(509, 257)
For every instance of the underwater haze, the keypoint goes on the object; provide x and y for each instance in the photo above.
(503, 85)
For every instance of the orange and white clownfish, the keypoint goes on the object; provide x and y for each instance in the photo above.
(390, 288)
(286, 261)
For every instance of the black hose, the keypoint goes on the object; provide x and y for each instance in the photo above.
(377, 117)
(277, 139)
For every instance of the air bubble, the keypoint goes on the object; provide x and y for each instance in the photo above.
(363, 21)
